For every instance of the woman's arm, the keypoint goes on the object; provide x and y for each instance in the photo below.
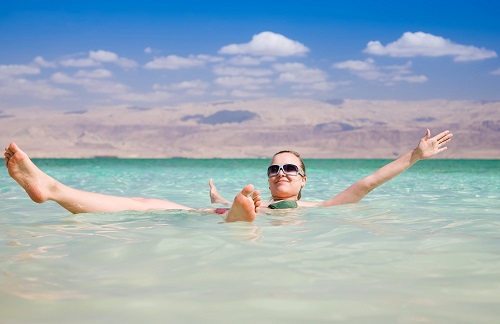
(426, 148)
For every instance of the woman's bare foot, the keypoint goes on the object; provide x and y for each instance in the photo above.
(245, 205)
(37, 184)
(215, 197)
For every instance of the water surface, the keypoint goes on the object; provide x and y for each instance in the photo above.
(423, 248)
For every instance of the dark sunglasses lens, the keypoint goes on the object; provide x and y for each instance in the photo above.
(291, 168)
(273, 170)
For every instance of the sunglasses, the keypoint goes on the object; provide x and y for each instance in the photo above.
(288, 169)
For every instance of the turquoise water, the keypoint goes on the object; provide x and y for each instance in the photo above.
(423, 248)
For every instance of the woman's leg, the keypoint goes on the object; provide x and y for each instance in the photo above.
(215, 197)
(41, 187)
(245, 205)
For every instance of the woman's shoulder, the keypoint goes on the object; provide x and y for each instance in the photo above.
(301, 203)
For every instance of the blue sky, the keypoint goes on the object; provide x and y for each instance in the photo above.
(76, 55)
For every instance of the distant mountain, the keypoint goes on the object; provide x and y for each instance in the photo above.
(240, 129)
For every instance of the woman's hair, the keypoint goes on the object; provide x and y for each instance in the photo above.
(302, 165)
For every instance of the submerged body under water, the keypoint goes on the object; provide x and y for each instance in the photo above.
(425, 247)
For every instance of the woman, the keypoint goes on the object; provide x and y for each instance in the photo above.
(286, 177)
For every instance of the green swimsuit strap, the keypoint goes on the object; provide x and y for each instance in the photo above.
(284, 204)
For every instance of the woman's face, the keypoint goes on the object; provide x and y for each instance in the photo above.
(284, 186)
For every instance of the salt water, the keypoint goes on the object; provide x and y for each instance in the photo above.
(423, 248)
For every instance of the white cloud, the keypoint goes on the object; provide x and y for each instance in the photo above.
(193, 84)
(245, 60)
(210, 58)
(94, 74)
(150, 50)
(195, 92)
(13, 70)
(40, 89)
(410, 78)
(82, 62)
(11, 84)
(90, 84)
(150, 97)
(303, 77)
(40, 61)
(368, 70)
(103, 56)
(237, 71)
(60, 77)
(110, 57)
(96, 58)
(496, 72)
(126, 63)
(220, 93)
(364, 69)
(423, 44)
(249, 60)
(357, 65)
(267, 44)
(174, 62)
(247, 83)
(192, 88)
(299, 73)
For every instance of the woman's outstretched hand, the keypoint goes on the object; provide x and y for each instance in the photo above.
(430, 146)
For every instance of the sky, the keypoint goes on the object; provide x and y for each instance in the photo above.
(77, 55)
